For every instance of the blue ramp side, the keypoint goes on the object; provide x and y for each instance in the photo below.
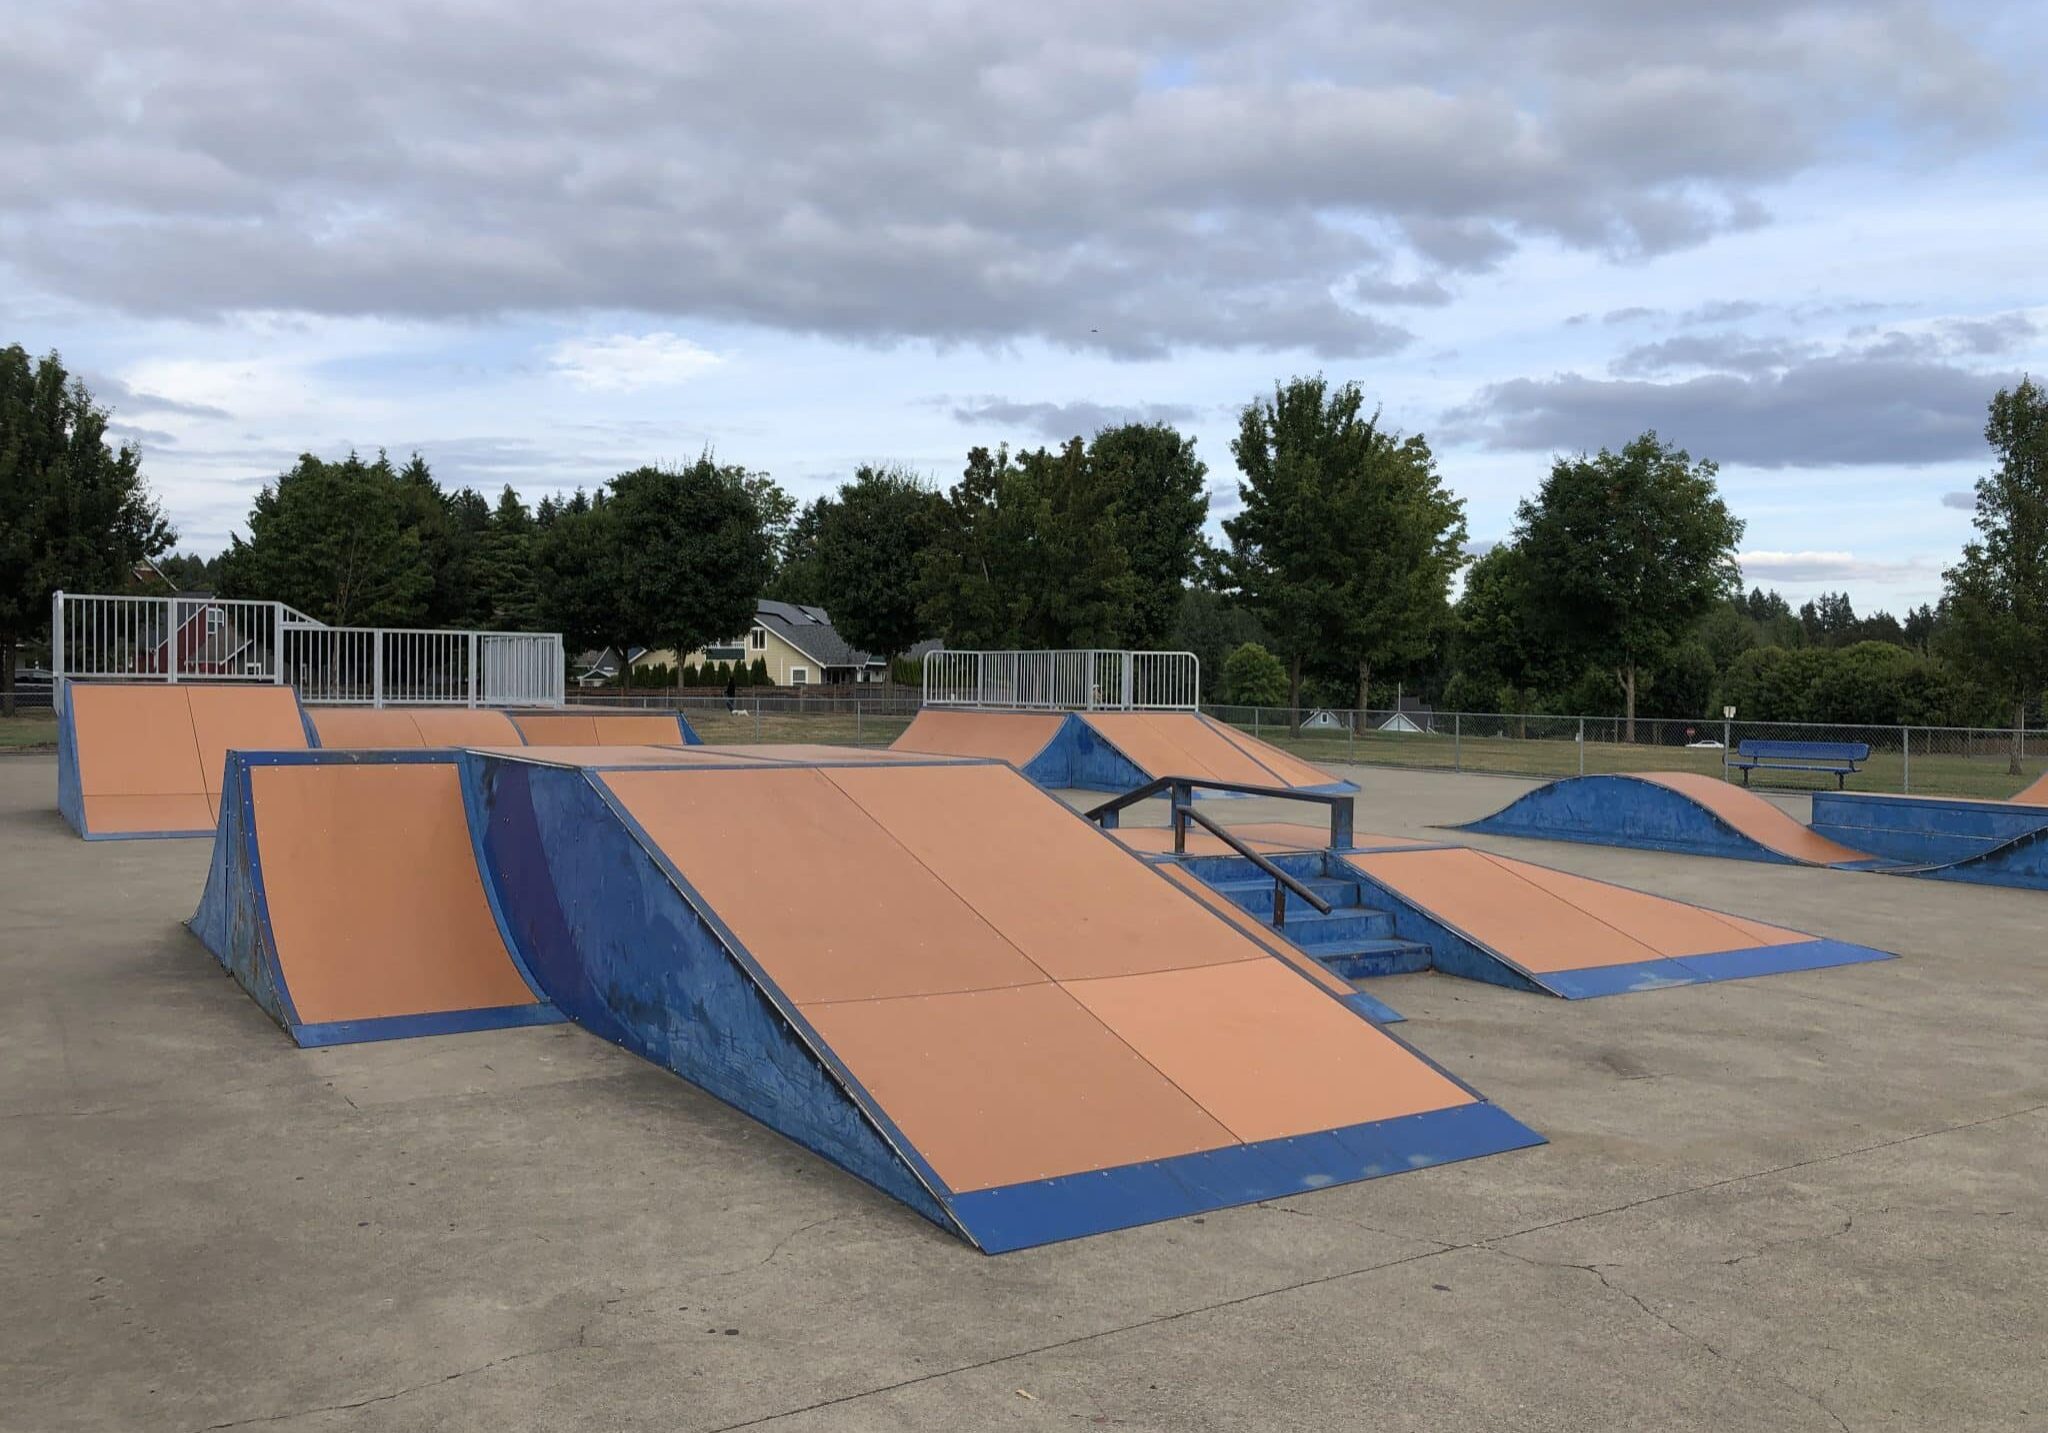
(688, 732)
(616, 945)
(70, 790)
(231, 921)
(1080, 758)
(2020, 862)
(1451, 950)
(1927, 831)
(1623, 811)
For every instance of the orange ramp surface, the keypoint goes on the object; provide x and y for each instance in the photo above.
(1187, 744)
(1015, 737)
(2034, 795)
(345, 896)
(1758, 819)
(145, 759)
(398, 728)
(585, 728)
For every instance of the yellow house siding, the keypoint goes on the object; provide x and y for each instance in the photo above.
(779, 655)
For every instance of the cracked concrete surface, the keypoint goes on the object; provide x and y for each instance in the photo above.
(1812, 1201)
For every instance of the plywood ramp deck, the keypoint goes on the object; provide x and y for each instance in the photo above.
(145, 759)
(1024, 999)
(570, 728)
(1015, 737)
(1756, 818)
(400, 728)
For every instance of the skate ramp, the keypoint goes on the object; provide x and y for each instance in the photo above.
(941, 979)
(1668, 811)
(414, 728)
(1949, 838)
(603, 728)
(1188, 744)
(2034, 795)
(1018, 738)
(144, 759)
(345, 897)
(1514, 923)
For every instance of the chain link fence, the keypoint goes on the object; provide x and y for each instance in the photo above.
(1929, 761)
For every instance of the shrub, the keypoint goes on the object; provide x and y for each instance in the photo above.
(1254, 677)
(757, 675)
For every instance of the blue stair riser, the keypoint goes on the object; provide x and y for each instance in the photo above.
(1232, 870)
(1365, 959)
(1340, 927)
(1257, 896)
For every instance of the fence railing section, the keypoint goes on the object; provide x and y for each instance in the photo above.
(211, 639)
(1086, 679)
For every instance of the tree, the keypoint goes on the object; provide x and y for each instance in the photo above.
(692, 553)
(1254, 677)
(798, 576)
(1212, 626)
(1027, 554)
(576, 563)
(1626, 552)
(1161, 504)
(1347, 539)
(332, 540)
(869, 545)
(508, 595)
(74, 513)
(1996, 598)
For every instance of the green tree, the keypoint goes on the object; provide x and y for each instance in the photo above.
(507, 589)
(692, 552)
(333, 540)
(576, 562)
(870, 543)
(74, 512)
(1027, 554)
(1347, 540)
(1157, 484)
(799, 577)
(1626, 552)
(1254, 677)
(1212, 626)
(1996, 598)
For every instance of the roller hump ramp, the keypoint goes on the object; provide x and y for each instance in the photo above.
(345, 896)
(143, 759)
(928, 972)
(1669, 811)
(1112, 751)
(1997, 843)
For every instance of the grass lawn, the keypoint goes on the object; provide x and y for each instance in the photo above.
(26, 729)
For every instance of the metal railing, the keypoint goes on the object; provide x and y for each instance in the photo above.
(1180, 791)
(1082, 679)
(95, 637)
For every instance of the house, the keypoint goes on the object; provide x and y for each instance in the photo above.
(597, 669)
(1411, 714)
(800, 648)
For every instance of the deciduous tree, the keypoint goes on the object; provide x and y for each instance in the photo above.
(870, 543)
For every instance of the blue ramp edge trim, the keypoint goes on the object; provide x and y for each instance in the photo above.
(70, 791)
(1595, 981)
(689, 733)
(1020, 1216)
(1377, 1011)
(433, 1022)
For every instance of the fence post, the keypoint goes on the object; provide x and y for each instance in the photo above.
(471, 662)
(57, 652)
(171, 641)
(1457, 741)
(376, 666)
(1351, 738)
(1255, 721)
(757, 721)
(1582, 746)
(856, 722)
(277, 644)
(1906, 750)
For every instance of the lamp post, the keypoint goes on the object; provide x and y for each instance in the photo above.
(1727, 737)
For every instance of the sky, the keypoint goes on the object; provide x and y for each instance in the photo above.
(539, 244)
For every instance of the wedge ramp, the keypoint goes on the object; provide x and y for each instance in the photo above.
(145, 759)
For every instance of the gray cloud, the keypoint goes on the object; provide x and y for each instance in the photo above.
(151, 437)
(124, 399)
(1732, 353)
(1874, 406)
(882, 169)
(1966, 501)
(1224, 498)
(1057, 422)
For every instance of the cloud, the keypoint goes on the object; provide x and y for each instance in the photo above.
(123, 398)
(1963, 502)
(1765, 403)
(1224, 498)
(626, 363)
(1057, 422)
(1829, 566)
(1159, 178)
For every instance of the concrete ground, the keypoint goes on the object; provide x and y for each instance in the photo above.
(1812, 1201)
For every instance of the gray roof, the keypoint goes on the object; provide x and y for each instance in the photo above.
(810, 631)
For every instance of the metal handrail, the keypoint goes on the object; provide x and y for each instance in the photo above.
(1282, 882)
(1182, 789)
(1341, 803)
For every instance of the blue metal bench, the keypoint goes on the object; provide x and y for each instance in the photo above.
(1841, 758)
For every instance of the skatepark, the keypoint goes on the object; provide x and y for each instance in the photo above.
(405, 1092)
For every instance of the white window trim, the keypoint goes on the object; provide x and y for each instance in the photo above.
(757, 639)
(799, 676)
